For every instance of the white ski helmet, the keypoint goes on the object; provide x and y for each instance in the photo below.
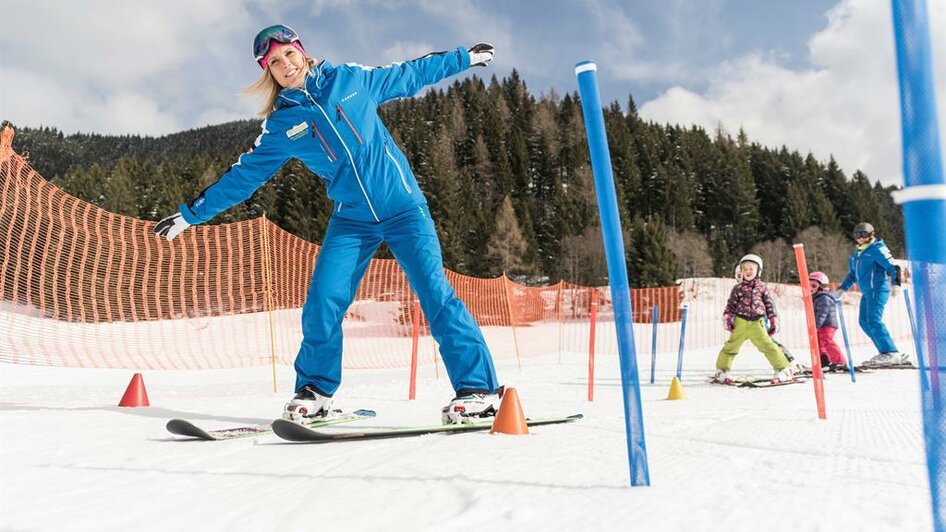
(752, 258)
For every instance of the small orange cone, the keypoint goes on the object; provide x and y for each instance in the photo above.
(676, 391)
(135, 394)
(510, 419)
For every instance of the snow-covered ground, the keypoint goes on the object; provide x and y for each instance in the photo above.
(723, 459)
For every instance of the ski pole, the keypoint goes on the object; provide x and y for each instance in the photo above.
(916, 337)
(683, 333)
(847, 343)
(653, 345)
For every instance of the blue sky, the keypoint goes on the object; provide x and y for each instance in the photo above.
(156, 67)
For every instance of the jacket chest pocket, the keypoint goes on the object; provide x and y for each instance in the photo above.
(321, 137)
(343, 122)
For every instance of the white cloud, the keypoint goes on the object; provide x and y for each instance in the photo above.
(39, 100)
(113, 42)
(847, 104)
(112, 66)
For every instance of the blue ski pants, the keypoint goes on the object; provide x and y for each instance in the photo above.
(346, 251)
(871, 320)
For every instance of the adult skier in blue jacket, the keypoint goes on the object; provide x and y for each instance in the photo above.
(869, 266)
(326, 116)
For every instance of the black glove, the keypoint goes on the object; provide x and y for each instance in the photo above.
(897, 276)
(480, 54)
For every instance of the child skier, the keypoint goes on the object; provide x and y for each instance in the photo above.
(788, 355)
(746, 311)
(826, 321)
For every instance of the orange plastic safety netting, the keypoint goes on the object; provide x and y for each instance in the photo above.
(83, 287)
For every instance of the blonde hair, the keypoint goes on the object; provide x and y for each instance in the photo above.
(267, 87)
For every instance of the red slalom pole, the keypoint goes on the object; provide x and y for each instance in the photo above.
(415, 318)
(591, 345)
(812, 332)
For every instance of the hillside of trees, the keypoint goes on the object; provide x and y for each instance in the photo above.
(509, 182)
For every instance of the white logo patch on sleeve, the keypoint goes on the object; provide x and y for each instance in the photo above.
(297, 131)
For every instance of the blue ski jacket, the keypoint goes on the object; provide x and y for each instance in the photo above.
(332, 126)
(869, 268)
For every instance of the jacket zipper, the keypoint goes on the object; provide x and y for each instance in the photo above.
(399, 171)
(329, 153)
(341, 113)
(350, 157)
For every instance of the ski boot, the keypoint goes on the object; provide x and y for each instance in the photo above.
(307, 405)
(891, 358)
(783, 375)
(470, 406)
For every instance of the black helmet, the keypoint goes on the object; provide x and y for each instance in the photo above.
(863, 230)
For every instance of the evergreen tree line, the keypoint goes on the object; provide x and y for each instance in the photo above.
(508, 179)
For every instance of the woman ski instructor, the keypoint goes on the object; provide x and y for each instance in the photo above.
(326, 116)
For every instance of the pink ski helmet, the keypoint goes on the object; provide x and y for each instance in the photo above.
(819, 277)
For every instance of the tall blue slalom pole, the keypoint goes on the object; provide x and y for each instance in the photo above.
(924, 211)
(847, 343)
(683, 335)
(586, 71)
(653, 344)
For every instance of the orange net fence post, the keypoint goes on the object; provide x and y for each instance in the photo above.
(512, 318)
(268, 277)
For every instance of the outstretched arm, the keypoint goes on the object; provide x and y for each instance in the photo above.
(406, 78)
(251, 171)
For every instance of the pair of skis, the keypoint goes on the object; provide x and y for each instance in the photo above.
(803, 376)
(291, 431)
(758, 382)
(182, 427)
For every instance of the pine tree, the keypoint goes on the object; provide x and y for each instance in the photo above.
(650, 260)
(797, 213)
(119, 194)
(507, 246)
(835, 187)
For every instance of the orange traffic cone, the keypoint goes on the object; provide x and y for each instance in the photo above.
(510, 419)
(135, 394)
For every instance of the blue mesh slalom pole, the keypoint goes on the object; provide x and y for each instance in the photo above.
(653, 345)
(683, 334)
(924, 212)
(617, 270)
(847, 343)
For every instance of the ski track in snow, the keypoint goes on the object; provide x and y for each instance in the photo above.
(723, 459)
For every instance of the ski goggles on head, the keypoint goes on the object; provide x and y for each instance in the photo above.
(861, 234)
(279, 33)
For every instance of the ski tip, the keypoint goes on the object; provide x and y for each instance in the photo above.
(365, 413)
(575, 416)
(179, 426)
(182, 427)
